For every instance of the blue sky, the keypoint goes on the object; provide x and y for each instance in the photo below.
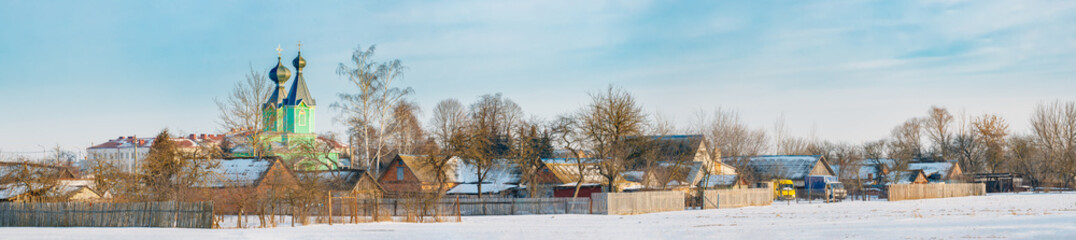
(82, 72)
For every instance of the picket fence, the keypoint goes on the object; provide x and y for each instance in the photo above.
(638, 202)
(898, 192)
(736, 198)
(85, 214)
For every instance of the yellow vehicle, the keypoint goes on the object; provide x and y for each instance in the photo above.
(783, 189)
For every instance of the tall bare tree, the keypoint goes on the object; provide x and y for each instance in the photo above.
(486, 140)
(993, 131)
(967, 146)
(1054, 126)
(567, 135)
(727, 135)
(906, 145)
(242, 109)
(611, 116)
(534, 143)
(937, 125)
(368, 112)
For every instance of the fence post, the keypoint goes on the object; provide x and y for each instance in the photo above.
(459, 215)
(591, 207)
(330, 204)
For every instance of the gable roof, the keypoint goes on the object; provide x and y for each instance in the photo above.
(341, 179)
(939, 170)
(788, 166)
(424, 171)
(566, 171)
(240, 172)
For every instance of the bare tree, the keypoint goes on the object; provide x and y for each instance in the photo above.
(994, 131)
(967, 147)
(1027, 157)
(168, 172)
(727, 135)
(611, 116)
(906, 145)
(567, 134)
(875, 151)
(1054, 126)
(486, 139)
(243, 109)
(937, 125)
(406, 133)
(449, 117)
(35, 182)
(369, 111)
(534, 143)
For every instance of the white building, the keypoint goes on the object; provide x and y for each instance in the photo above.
(128, 152)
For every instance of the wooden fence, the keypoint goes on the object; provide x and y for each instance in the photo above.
(899, 192)
(81, 214)
(736, 198)
(638, 202)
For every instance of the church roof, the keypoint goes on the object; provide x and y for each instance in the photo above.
(299, 93)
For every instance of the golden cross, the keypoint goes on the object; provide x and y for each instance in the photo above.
(278, 49)
(300, 45)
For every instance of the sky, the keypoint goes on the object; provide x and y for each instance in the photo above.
(76, 73)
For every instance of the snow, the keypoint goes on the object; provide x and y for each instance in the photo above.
(1008, 216)
(237, 172)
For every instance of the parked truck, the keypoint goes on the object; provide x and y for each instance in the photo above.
(783, 189)
(824, 187)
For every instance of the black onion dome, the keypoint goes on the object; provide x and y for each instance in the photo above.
(299, 62)
(279, 74)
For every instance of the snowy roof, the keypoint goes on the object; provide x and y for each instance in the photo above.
(932, 168)
(337, 180)
(471, 188)
(784, 166)
(64, 187)
(237, 172)
(467, 173)
(718, 181)
(568, 172)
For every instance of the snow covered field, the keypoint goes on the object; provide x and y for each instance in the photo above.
(1008, 216)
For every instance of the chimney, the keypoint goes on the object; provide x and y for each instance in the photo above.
(191, 137)
(119, 138)
(202, 136)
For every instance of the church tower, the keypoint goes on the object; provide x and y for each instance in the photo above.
(272, 114)
(299, 105)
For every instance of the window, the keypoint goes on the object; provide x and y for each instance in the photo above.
(399, 173)
(302, 117)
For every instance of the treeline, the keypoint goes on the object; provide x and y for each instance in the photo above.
(494, 130)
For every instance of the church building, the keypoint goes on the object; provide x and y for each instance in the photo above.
(288, 122)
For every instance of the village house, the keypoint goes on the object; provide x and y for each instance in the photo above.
(412, 174)
(237, 183)
(51, 183)
(347, 183)
(679, 162)
(791, 167)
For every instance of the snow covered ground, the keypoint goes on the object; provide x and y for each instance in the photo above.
(1007, 216)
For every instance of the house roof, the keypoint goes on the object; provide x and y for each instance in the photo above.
(467, 173)
(569, 172)
(240, 172)
(786, 166)
(472, 188)
(929, 169)
(424, 171)
(338, 180)
(718, 181)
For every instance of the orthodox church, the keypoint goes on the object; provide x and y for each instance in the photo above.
(288, 122)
